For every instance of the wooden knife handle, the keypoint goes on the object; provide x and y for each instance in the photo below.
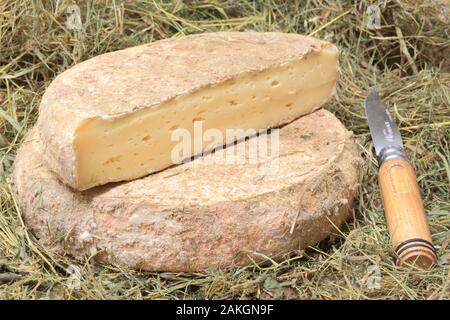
(410, 235)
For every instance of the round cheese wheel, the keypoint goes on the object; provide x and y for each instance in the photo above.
(201, 214)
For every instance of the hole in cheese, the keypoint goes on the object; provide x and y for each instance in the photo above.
(274, 83)
(296, 88)
(233, 103)
(197, 119)
(112, 160)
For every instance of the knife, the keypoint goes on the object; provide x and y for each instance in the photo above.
(405, 215)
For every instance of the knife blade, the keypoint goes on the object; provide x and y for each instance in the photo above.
(400, 194)
(385, 133)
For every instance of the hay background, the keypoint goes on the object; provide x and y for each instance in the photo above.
(408, 59)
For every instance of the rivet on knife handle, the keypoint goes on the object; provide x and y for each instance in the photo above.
(410, 235)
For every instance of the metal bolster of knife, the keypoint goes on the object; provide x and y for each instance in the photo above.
(390, 153)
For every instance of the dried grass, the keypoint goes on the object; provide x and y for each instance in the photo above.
(407, 59)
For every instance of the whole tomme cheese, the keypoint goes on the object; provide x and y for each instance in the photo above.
(112, 118)
(212, 212)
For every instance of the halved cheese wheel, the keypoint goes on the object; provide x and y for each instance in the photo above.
(203, 213)
(112, 117)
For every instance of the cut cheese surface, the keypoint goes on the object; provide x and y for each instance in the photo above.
(105, 120)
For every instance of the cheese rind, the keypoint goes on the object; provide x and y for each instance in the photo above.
(111, 118)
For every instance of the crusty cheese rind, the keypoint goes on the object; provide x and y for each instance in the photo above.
(199, 215)
(120, 83)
